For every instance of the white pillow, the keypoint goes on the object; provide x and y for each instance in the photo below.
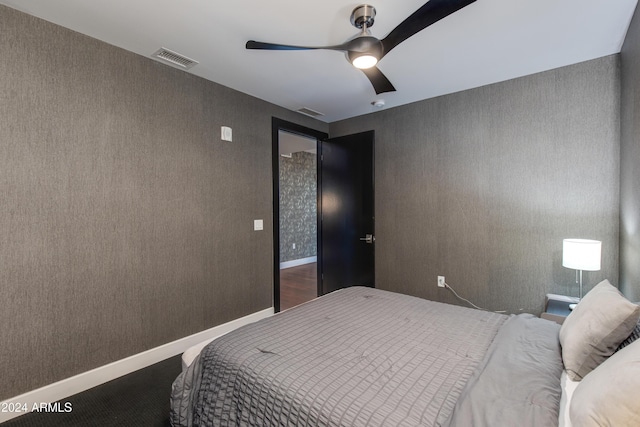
(608, 396)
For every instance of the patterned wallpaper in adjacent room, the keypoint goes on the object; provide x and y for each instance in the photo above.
(298, 217)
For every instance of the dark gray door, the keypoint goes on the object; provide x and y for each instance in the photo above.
(347, 223)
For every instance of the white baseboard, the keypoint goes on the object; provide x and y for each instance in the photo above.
(297, 262)
(86, 380)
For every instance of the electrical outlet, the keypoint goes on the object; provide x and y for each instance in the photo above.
(441, 281)
(294, 246)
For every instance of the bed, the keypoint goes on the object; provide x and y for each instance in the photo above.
(368, 357)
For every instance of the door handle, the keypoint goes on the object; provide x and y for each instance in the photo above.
(369, 238)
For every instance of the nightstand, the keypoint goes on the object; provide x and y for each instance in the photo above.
(556, 307)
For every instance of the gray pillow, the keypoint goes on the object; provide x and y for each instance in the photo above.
(608, 396)
(595, 328)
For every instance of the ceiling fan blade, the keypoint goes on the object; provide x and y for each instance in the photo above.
(430, 13)
(379, 81)
(252, 44)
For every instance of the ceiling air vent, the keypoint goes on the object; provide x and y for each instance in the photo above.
(309, 112)
(174, 58)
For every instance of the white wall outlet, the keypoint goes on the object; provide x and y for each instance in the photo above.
(441, 281)
(294, 246)
(258, 225)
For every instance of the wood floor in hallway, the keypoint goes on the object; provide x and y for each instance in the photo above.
(297, 285)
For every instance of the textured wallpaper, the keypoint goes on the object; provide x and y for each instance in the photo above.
(630, 159)
(298, 206)
(481, 186)
(125, 221)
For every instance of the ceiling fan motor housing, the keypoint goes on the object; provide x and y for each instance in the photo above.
(364, 45)
(363, 15)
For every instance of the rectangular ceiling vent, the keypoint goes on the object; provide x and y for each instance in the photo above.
(174, 58)
(309, 112)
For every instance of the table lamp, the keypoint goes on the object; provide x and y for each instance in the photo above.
(581, 254)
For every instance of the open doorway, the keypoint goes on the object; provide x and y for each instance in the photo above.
(345, 212)
(298, 218)
(295, 189)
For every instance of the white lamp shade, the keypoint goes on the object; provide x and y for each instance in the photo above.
(581, 254)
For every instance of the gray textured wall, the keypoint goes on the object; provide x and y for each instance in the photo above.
(481, 186)
(298, 206)
(125, 221)
(630, 162)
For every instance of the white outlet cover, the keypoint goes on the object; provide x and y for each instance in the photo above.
(226, 133)
(258, 224)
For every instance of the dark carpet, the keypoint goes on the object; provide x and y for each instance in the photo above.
(137, 399)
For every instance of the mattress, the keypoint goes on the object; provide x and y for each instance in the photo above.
(192, 352)
(355, 357)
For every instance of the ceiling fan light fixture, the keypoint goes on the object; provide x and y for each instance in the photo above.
(364, 61)
(364, 52)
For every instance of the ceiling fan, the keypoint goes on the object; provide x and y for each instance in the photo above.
(364, 51)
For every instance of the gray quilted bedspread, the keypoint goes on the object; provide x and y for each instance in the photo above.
(356, 357)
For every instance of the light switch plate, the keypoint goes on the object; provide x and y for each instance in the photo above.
(226, 133)
(258, 225)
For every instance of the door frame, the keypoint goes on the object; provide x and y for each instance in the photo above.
(276, 126)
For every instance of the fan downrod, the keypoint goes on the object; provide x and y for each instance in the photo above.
(363, 16)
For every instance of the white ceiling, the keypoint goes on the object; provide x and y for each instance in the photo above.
(487, 42)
